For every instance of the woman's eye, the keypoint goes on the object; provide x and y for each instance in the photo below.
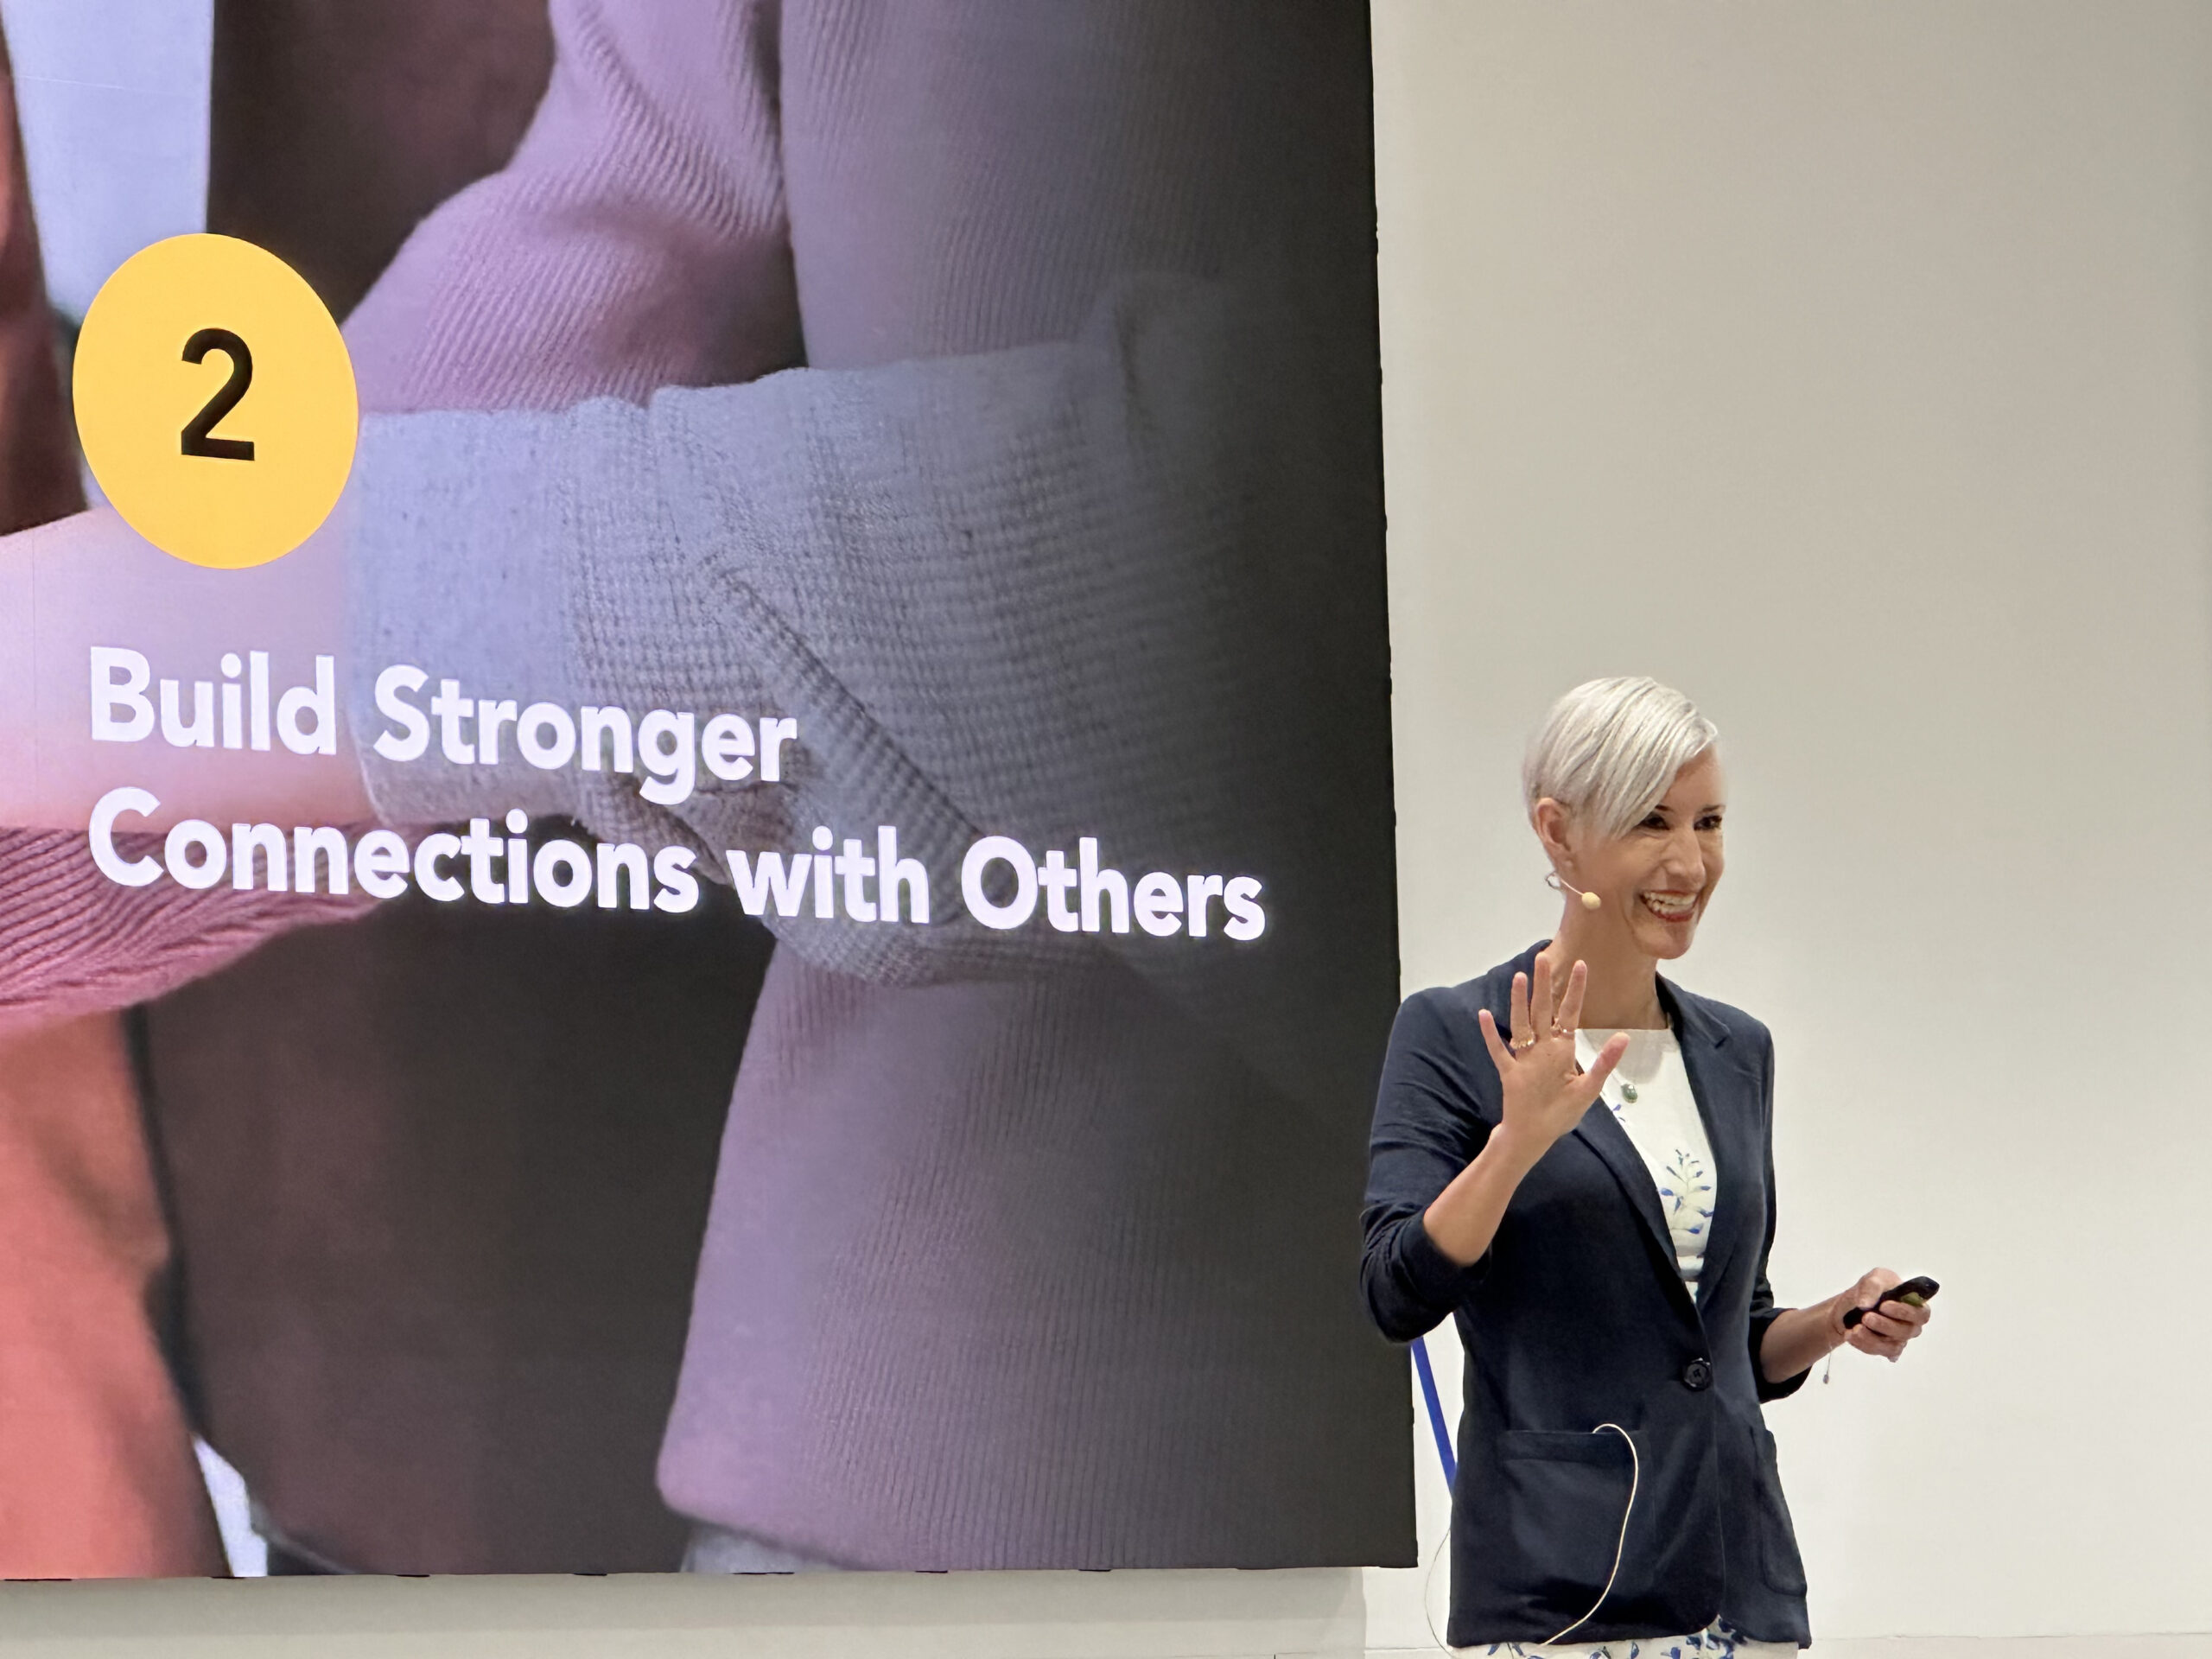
(1708, 825)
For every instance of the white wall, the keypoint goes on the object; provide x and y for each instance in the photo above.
(1845, 366)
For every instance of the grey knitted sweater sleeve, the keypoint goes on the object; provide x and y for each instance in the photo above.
(1023, 593)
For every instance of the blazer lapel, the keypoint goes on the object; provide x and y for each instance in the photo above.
(1726, 1101)
(1598, 1132)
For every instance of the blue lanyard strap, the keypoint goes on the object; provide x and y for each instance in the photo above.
(1435, 1412)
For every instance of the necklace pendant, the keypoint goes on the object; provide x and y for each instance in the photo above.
(1628, 1091)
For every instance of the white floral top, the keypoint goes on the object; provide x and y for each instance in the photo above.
(1650, 1095)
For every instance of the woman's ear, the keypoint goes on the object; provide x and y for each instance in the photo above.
(1550, 820)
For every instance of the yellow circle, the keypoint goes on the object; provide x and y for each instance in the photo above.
(215, 401)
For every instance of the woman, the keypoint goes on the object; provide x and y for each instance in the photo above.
(1606, 1265)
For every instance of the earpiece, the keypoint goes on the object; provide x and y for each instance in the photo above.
(1590, 900)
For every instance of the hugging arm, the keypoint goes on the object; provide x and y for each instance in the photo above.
(1022, 592)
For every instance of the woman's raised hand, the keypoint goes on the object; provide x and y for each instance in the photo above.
(1545, 1094)
(1546, 1091)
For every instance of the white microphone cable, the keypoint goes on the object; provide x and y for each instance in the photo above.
(1635, 1479)
(1620, 1549)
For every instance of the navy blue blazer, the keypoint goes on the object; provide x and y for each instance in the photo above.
(1577, 1315)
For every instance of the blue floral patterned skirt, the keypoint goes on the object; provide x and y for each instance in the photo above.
(1719, 1641)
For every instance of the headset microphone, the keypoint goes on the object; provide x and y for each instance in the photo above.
(1590, 900)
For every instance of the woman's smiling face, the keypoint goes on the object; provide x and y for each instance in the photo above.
(1656, 880)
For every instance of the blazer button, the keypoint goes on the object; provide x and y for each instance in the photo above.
(1697, 1375)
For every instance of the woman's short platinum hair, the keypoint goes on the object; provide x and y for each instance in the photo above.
(1609, 750)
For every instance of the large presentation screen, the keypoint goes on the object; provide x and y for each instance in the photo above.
(694, 719)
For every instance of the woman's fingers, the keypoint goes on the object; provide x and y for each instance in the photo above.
(1866, 1339)
(1871, 1285)
(1523, 1012)
(1587, 1087)
(1569, 1018)
(1608, 1057)
(1887, 1324)
(1870, 1342)
(1884, 1328)
(1540, 1002)
(1498, 1052)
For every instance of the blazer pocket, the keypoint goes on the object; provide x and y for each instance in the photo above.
(1566, 1494)
(1780, 1564)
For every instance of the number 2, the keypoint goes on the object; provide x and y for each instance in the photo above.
(196, 441)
